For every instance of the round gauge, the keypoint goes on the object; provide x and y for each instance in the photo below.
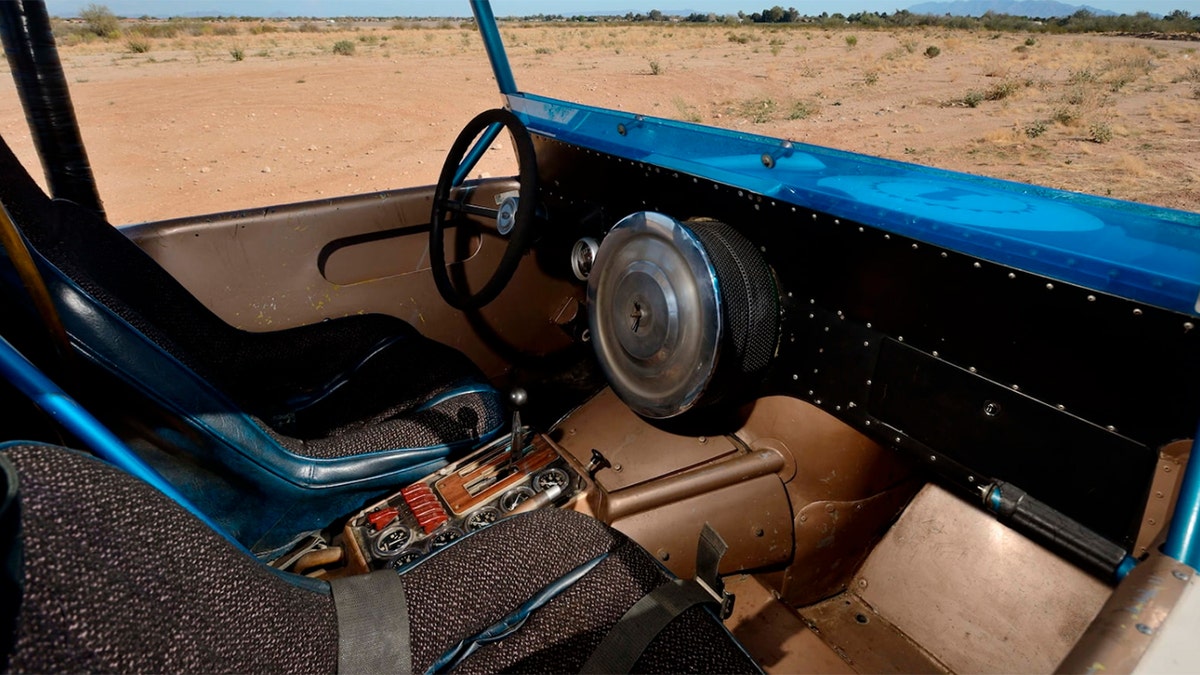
(392, 540)
(445, 536)
(550, 478)
(406, 558)
(513, 498)
(482, 518)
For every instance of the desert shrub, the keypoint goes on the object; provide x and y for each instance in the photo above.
(739, 38)
(1100, 132)
(1036, 128)
(973, 98)
(138, 45)
(260, 28)
(1030, 41)
(1081, 76)
(99, 20)
(871, 77)
(237, 53)
(1064, 116)
(225, 29)
(757, 110)
(801, 110)
(308, 27)
(343, 48)
(655, 67)
(851, 41)
(932, 51)
(1003, 90)
(192, 27)
(154, 30)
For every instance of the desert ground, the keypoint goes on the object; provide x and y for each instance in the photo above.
(253, 116)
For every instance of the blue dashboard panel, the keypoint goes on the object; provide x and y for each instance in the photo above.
(1144, 253)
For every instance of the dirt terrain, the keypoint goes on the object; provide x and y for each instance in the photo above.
(210, 123)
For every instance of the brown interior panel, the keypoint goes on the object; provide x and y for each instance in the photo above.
(638, 451)
(975, 594)
(752, 517)
(775, 634)
(359, 259)
(832, 540)
(1164, 491)
(867, 641)
(279, 267)
(792, 489)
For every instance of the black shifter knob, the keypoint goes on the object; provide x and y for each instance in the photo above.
(517, 397)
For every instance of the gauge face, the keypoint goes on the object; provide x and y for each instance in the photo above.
(406, 558)
(513, 498)
(482, 518)
(550, 478)
(392, 540)
(445, 536)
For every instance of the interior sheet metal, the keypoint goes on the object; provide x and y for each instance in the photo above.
(975, 594)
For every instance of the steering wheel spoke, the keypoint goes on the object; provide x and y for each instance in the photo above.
(455, 206)
(461, 159)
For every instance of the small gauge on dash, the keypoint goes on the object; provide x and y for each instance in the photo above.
(550, 478)
(444, 536)
(513, 498)
(392, 539)
(406, 558)
(482, 518)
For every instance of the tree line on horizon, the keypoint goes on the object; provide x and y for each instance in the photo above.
(99, 20)
(1081, 21)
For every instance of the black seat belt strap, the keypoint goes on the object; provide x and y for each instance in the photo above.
(372, 618)
(637, 628)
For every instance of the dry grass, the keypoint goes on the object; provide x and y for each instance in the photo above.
(1041, 104)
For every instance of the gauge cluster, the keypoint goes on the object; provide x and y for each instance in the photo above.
(464, 497)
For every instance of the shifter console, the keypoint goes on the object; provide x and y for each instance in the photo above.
(468, 495)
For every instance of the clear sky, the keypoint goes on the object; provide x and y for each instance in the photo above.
(525, 7)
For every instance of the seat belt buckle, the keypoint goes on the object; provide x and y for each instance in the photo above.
(709, 551)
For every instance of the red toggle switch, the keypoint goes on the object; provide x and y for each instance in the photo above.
(425, 506)
(382, 517)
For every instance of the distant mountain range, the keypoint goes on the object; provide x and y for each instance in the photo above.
(1037, 8)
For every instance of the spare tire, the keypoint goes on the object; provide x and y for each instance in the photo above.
(682, 316)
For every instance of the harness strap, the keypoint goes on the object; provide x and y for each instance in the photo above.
(372, 618)
(638, 627)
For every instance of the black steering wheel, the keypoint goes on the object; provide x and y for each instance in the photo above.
(460, 162)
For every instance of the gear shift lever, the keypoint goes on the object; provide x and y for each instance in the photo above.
(517, 398)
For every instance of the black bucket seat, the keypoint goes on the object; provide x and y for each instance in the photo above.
(310, 420)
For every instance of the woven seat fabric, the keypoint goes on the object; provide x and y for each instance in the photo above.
(118, 578)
